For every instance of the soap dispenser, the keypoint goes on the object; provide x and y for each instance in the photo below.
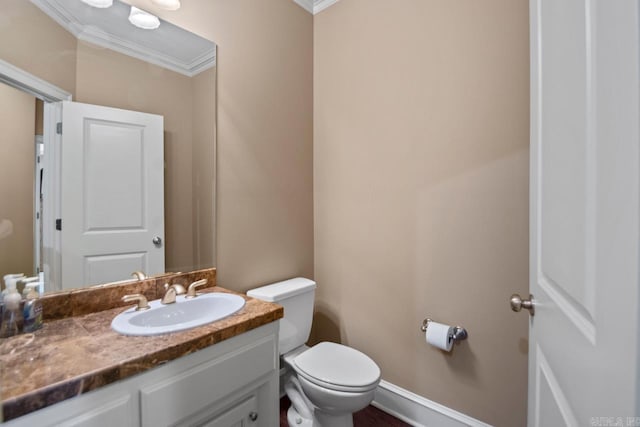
(23, 284)
(12, 318)
(32, 311)
(9, 278)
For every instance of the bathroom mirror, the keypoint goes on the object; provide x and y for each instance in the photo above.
(98, 57)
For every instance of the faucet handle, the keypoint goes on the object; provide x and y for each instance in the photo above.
(191, 292)
(138, 275)
(143, 304)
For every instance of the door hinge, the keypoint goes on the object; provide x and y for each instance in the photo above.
(59, 224)
(59, 128)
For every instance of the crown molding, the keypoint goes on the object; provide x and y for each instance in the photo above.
(104, 39)
(315, 6)
(320, 5)
(306, 5)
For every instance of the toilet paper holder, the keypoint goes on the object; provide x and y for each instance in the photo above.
(459, 333)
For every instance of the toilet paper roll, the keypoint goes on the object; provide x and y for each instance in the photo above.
(439, 335)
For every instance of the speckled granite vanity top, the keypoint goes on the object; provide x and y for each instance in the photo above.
(77, 351)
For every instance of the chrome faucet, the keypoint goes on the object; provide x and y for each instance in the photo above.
(171, 293)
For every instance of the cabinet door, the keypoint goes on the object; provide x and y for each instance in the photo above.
(204, 387)
(244, 414)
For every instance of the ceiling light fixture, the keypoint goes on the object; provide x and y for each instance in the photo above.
(142, 19)
(167, 4)
(102, 4)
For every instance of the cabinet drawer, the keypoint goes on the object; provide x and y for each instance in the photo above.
(112, 406)
(115, 413)
(191, 391)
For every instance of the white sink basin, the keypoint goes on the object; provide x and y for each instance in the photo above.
(183, 314)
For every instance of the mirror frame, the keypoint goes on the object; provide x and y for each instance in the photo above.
(20, 79)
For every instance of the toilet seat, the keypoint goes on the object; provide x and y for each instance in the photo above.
(337, 367)
(336, 387)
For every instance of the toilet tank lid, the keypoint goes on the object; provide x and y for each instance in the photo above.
(281, 290)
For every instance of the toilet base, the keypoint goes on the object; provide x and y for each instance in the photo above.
(320, 419)
(338, 407)
(296, 420)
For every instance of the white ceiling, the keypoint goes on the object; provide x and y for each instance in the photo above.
(168, 46)
(315, 6)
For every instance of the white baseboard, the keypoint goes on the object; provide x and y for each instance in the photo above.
(418, 411)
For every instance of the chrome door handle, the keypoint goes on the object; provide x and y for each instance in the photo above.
(157, 240)
(517, 303)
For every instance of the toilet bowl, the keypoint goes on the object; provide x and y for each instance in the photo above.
(336, 379)
(326, 383)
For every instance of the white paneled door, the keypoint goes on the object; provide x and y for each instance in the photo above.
(585, 187)
(112, 194)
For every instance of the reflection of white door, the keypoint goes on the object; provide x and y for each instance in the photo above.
(37, 203)
(112, 194)
(585, 172)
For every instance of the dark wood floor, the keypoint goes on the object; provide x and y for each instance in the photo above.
(368, 417)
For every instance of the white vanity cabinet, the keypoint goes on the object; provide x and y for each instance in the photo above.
(232, 383)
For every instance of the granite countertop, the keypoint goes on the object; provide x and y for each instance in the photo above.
(73, 355)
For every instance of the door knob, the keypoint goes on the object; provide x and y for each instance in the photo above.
(157, 240)
(517, 303)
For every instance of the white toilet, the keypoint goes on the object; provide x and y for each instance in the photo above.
(329, 381)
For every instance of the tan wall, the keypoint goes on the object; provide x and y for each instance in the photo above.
(265, 171)
(136, 85)
(421, 192)
(39, 117)
(17, 151)
(203, 88)
(29, 39)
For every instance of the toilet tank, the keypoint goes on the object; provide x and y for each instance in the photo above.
(296, 296)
